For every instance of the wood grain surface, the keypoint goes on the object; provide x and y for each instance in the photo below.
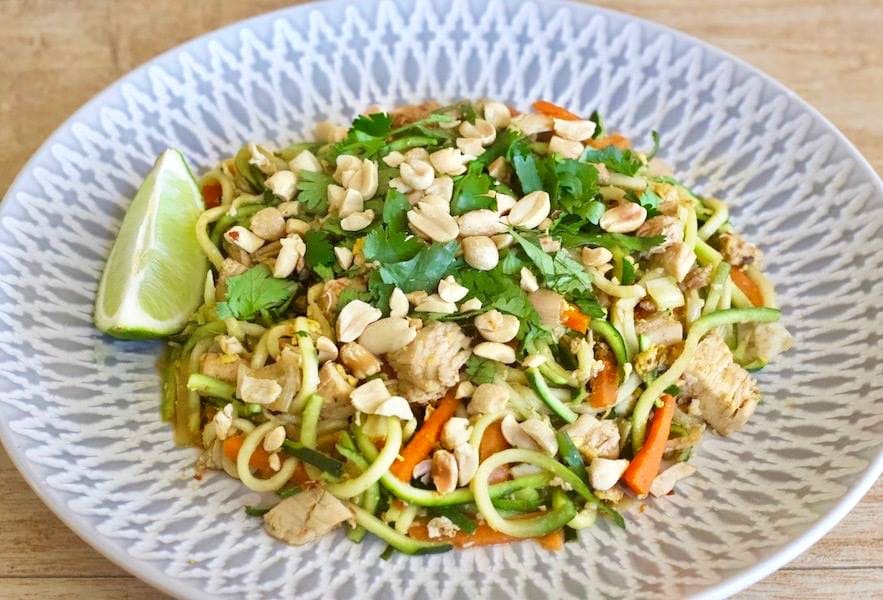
(58, 54)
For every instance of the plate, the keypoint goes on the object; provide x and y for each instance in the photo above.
(79, 411)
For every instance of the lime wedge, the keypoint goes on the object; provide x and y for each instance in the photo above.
(154, 277)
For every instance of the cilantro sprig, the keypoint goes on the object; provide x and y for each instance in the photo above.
(255, 292)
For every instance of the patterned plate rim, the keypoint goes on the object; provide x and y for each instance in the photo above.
(157, 578)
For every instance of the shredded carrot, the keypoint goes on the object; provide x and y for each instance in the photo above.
(552, 541)
(425, 438)
(605, 386)
(260, 458)
(614, 139)
(484, 535)
(492, 441)
(645, 465)
(574, 318)
(300, 475)
(211, 194)
(747, 285)
(554, 111)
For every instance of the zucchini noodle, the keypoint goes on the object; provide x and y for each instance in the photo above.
(406, 518)
(244, 200)
(636, 184)
(380, 466)
(310, 420)
(309, 365)
(208, 247)
(614, 289)
(275, 333)
(623, 318)
(481, 426)
(562, 511)
(431, 498)
(208, 290)
(260, 354)
(719, 277)
(719, 217)
(706, 255)
(670, 377)
(690, 233)
(249, 445)
(229, 466)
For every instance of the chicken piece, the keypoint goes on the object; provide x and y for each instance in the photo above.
(661, 329)
(664, 483)
(219, 366)
(594, 438)
(330, 295)
(676, 260)
(726, 393)
(413, 112)
(668, 227)
(697, 278)
(335, 386)
(305, 517)
(763, 341)
(430, 364)
(739, 252)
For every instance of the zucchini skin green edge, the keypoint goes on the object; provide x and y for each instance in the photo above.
(399, 541)
(613, 339)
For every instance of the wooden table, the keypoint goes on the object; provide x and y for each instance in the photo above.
(57, 55)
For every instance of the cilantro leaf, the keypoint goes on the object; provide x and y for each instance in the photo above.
(253, 292)
(424, 270)
(500, 146)
(526, 166)
(386, 246)
(649, 200)
(570, 230)
(366, 136)
(560, 271)
(320, 254)
(375, 124)
(654, 135)
(470, 190)
(395, 210)
(577, 185)
(628, 272)
(497, 290)
(481, 370)
(313, 191)
(611, 241)
(615, 159)
(589, 305)
(598, 120)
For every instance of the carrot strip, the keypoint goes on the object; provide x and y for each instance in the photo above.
(424, 440)
(614, 139)
(492, 441)
(484, 535)
(747, 285)
(645, 465)
(300, 475)
(574, 318)
(554, 111)
(211, 194)
(605, 385)
(260, 458)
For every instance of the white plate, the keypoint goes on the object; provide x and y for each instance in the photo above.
(79, 412)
